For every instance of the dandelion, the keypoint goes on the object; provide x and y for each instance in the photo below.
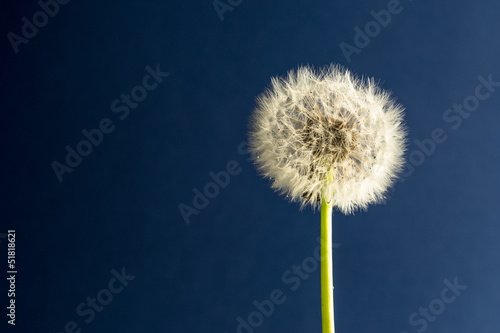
(328, 139)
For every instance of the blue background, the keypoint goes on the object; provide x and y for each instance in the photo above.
(120, 207)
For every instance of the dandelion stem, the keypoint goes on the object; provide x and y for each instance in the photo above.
(327, 313)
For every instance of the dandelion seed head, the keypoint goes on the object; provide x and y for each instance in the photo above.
(328, 135)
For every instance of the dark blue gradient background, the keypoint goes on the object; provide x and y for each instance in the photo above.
(119, 207)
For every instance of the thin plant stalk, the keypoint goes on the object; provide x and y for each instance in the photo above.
(327, 313)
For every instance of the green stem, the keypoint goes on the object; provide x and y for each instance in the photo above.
(327, 313)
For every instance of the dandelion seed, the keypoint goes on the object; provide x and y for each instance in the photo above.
(310, 124)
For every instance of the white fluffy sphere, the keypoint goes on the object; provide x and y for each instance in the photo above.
(328, 135)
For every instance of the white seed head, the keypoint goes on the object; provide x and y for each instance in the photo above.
(328, 135)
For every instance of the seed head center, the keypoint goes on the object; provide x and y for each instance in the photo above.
(330, 140)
